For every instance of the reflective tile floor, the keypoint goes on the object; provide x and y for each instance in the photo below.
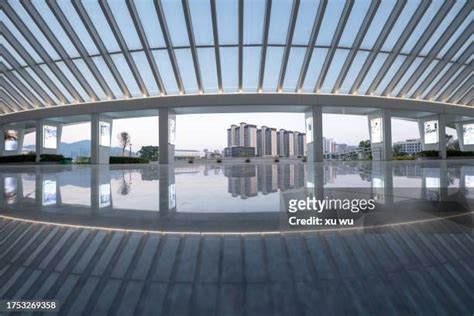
(208, 240)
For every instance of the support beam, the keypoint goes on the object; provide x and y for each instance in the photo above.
(166, 135)
(380, 131)
(101, 130)
(314, 133)
(48, 138)
(433, 133)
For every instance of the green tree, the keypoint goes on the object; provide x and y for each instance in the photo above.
(124, 139)
(149, 152)
(364, 144)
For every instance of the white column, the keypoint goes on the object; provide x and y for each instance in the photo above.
(41, 147)
(435, 140)
(166, 130)
(380, 131)
(100, 144)
(314, 133)
(469, 126)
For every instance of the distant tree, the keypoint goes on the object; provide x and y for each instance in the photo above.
(149, 152)
(124, 139)
(364, 144)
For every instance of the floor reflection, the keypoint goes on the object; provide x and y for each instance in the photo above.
(228, 197)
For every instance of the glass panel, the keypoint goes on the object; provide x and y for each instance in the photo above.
(12, 28)
(202, 22)
(186, 69)
(254, 12)
(462, 28)
(374, 69)
(452, 92)
(421, 26)
(227, 21)
(174, 15)
(145, 72)
(43, 85)
(127, 75)
(251, 67)
(13, 52)
(293, 69)
(422, 77)
(126, 27)
(356, 17)
(406, 76)
(71, 15)
(207, 63)
(3, 60)
(378, 23)
(314, 68)
(304, 22)
(400, 24)
(56, 28)
(85, 71)
(108, 77)
(33, 28)
(163, 63)
(279, 21)
(94, 11)
(397, 63)
(16, 88)
(229, 66)
(72, 79)
(272, 68)
(17, 75)
(354, 70)
(443, 26)
(151, 25)
(330, 20)
(463, 48)
(334, 70)
(58, 83)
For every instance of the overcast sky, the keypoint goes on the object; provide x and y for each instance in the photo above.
(200, 131)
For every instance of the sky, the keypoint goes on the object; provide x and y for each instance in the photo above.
(209, 131)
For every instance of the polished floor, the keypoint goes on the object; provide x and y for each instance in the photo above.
(208, 239)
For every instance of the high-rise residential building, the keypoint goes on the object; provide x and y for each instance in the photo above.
(281, 142)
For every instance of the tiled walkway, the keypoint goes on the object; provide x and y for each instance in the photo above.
(423, 269)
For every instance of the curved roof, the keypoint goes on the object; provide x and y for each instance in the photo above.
(68, 52)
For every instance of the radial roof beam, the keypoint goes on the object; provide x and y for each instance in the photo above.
(263, 52)
(26, 76)
(169, 44)
(17, 83)
(425, 37)
(123, 47)
(29, 60)
(387, 28)
(289, 40)
(462, 90)
(24, 101)
(312, 41)
(374, 5)
(455, 85)
(417, 16)
(16, 99)
(100, 46)
(146, 45)
(3, 106)
(66, 25)
(467, 98)
(192, 43)
(215, 33)
(25, 31)
(447, 34)
(440, 65)
(241, 43)
(31, 10)
(334, 43)
(12, 103)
